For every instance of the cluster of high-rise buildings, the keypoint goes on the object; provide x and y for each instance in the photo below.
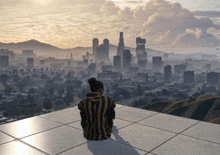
(123, 58)
(101, 52)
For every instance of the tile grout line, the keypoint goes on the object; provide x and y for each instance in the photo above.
(132, 122)
(173, 137)
(8, 142)
(138, 120)
(39, 132)
(166, 130)
(157, 128)
(32, 147)
(59, 122)
(8, 135)
(18, 139)
(74, 127)
(65, 124)
(151, 153)
(200, 139)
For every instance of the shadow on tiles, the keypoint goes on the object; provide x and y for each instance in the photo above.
(110, 147)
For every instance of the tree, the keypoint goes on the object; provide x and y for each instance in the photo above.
(4, 84)
(47, 103)
(21, 71)
(115, 86)
(69, 88)
(28, 70)
(43, 93)
(44, 76)
(21, 84)
(50, 81)
(31, 90)
(121, 92)
(4, 77)
(61, 91)
(69, 98)
(51, 90)
(8, 90)
(15, 71)
(107, 91)
(140, 90)
(19, 97)
(78, 84)
(30, 99)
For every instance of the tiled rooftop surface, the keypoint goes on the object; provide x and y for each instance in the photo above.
(135, 131)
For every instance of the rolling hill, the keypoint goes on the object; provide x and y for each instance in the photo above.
(205, 107)
(47, 50)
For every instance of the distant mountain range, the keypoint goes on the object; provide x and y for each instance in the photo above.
(43, 48)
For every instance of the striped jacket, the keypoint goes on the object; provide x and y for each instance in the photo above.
(97, 113)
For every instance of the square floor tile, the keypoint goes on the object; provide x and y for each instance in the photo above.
(18, 148)
(56, 140)
(64, 116)
(28, 126)
(117, 124)
(5, 138)
(169, 122)
(183, 145)
(205, 130)
(105, 147)
(133, 114)
(142, 137)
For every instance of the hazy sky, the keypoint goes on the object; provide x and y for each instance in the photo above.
(71, 23)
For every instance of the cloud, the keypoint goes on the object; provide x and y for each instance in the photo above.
(109, 8)
(133, 1)
(211, 14)
(165, 25)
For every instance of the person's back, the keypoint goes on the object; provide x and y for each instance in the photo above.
(97, 113)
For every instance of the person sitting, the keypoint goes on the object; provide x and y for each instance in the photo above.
(97, 112)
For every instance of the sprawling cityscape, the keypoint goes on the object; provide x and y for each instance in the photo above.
(32, 85)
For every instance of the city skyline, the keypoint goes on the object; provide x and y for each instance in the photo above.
(68, 24)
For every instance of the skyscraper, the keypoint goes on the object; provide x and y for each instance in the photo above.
(188, 77)
(213, 78)
(167, 73)
(120, 48)
(117, 62)
(179, 69)
(102, 52)
(95, 46)
(141, 53)
(30, 62)
(4, 61)
(157, 63)
(126, 59)
(106, 54)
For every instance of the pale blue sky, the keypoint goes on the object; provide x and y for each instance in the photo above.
(192, 5)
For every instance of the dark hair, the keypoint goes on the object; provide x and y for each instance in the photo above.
(94, 84)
